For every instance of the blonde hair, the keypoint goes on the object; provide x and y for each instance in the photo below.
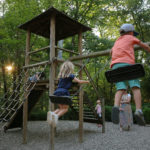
(66, 69)
(98, 101)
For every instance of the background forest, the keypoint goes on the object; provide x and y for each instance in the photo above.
(104, 17)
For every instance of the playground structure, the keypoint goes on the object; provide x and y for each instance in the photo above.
(54, 25)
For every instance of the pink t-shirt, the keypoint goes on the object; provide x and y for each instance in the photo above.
(123, 50)
(98, 107)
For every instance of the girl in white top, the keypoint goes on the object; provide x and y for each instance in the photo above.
(126, 119)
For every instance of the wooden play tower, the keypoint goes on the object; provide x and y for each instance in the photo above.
(54, 25)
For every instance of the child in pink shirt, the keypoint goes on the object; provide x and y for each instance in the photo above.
(123, 55)
(99, 112)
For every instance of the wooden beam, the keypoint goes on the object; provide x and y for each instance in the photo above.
(41, 49)
(25, 105)
(37, 64)
(62, 60)
(91, 55)
(48, 62)
(103, 115)
(81, 91)
(100, 53)
(66, 50)
(52, 74)
(91, 81)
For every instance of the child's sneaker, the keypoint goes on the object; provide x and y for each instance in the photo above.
(55, 117)
(139, 117)
(127, 128)
(49, 117)
(115, 115)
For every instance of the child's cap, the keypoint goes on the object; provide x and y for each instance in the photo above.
(128, 28)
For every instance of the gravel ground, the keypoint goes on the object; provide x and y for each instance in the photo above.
(138, 138)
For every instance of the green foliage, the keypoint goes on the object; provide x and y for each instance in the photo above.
(145, 85)
(70, 115)
(40, 115)
(146, 111)
(108, 110)
(93, 43)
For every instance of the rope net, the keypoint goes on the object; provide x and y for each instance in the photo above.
(12, 101)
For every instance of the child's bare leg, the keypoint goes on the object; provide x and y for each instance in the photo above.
(118, 96)
(63, 110)
(138, 113)
(57, 113)
(58, 109)
(137, 97)
(50, 114)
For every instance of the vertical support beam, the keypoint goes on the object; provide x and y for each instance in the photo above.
(81, 91)
(103, 115)
(52, 74)
(25, 105)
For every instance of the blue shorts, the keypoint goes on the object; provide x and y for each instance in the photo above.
(124, 84)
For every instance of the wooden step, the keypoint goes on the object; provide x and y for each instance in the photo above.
(90, 120)
(89, 116)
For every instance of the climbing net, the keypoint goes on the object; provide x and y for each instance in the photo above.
(14, 99)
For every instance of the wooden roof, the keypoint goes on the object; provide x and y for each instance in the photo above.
(65, 26)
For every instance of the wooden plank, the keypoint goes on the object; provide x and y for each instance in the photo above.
(25, 105)
(52, 74)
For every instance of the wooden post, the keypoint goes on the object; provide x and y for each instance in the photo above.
(103, 115)
(52, 74)
(81, 92)
(25, 105)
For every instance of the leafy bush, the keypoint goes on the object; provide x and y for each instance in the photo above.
(40, 115)
(146, 111)
(71, 115)
(108, 113)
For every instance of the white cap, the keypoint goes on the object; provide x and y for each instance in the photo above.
(128, 28)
